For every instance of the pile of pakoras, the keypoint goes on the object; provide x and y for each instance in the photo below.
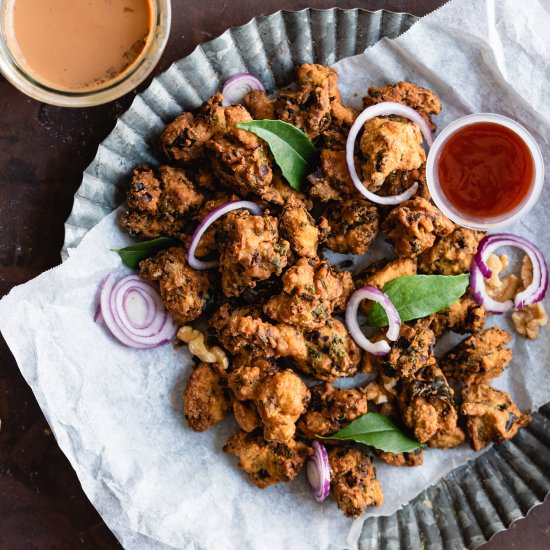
(273, 303)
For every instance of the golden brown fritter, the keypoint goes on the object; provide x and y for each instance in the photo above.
(353, 226)
(184, 140)
(411, 351)
(341, 121)
(251, 250)
(281, 399)
(451, 254)
(312, 290)
(387, 145)
(247, 374)
(246, 415)
(243, 330)
(298, 226)
(426, 403)
(330, 409)
(413, 226)
(378, 274)
(309, 108)
(421, 99)
(464, 316)
(353, 482)
(205, 398)
(331, 353)
(267, 462)
(479, 358)
(399, 181)
(184, 291)
(444, 440)
(331, 181)
(259, 105)
(240, 159)
(414, 458)
(159, 202)
(491, 414)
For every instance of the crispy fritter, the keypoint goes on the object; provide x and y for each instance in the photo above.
(298, 226)
(184, 140)
(259, 105)
(399, 181)
(246, 415)
(411, 351)
(413, 226)
(312, 290)
(464, 316)
(421, 99)
(414, 458)
(387, 145)
(281, 399)
(243, 330)
(331, 353)
(492, 415)
(184, 291)
(205, 398)
(240, 159)
(353, 226)
(380, 273)
(158, 202)
(426, 403)
(451, 254)
(479, 358)
(251, 250)
(267, 462)
(341, 121)
(444, 440)
(247, 374)
(330, 409)
(353, 482)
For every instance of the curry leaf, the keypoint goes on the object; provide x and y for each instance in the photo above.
(290, 147)
(378, 431)
(133, 254)
(417, 296)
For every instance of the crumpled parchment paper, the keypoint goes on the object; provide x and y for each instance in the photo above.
(116, 412)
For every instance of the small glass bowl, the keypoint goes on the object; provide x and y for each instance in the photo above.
(125, 82)
(484, 224)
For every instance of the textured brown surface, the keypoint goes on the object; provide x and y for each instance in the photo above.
(43, 151)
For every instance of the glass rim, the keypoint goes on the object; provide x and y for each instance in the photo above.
(472, 222)
(124, 83)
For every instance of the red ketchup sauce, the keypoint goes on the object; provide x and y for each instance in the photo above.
(485, 170)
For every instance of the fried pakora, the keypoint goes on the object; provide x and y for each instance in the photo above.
(205, 398)
(491, 414)
(184, 291)
(330, 409)
(246, 375)
(479, 358)
(353, 482)
(267, 462)
(353, 226)
(312, 290)
(246, 415)
(413, 226)
(464, 316)
(251, 250)
(451, 254)
(411, 459)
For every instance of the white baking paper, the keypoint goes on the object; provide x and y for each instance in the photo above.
(116, 412)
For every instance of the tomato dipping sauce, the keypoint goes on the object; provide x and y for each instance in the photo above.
(485, 169)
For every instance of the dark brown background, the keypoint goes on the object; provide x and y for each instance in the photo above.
(43, 151)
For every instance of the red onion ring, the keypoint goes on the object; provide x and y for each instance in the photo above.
(318, 472)
(480, 270)
(236, 87)
(208, 220)
(370, 293)
(155, 329)
(383, 109)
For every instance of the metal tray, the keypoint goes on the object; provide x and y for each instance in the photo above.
(473, 502)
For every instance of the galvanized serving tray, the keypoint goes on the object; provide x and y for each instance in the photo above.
(470, 504)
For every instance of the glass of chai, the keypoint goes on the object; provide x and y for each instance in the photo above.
(79, 53)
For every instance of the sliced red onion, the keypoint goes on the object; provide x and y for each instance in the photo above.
(480, 270)
(318, 472)
(236, 87)
(370, 293)
(385, 108)
(208, 220)
(134, 313)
